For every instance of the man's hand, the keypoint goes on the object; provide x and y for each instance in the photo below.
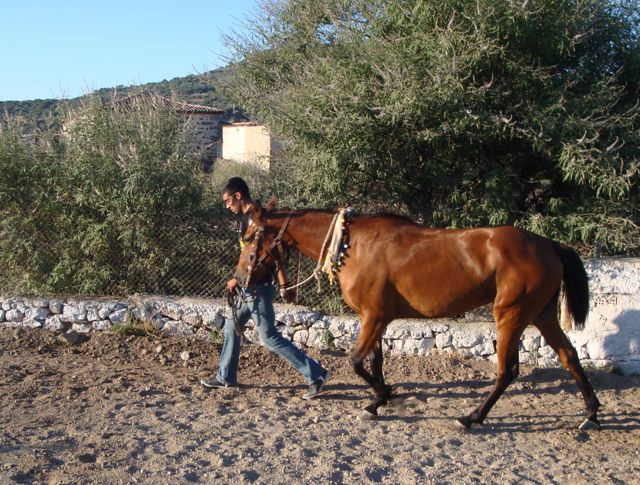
(232, 284)
(289, 295)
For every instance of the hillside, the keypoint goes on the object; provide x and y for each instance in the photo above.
(195, 89)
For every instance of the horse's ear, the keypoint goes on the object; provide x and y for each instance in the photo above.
(256, 214)
(272, 203)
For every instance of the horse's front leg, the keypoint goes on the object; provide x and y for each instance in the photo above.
(382, 391)
(370, 342)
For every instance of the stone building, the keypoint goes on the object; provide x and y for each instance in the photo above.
(204, 121)
(247, 142)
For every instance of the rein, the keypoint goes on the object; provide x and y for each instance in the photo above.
(232, 300)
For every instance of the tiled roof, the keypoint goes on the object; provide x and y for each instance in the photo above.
(147, 96)
(240, 123)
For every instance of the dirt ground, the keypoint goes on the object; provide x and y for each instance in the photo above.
(131, 410)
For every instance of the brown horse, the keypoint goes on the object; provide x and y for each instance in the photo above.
(394, 268)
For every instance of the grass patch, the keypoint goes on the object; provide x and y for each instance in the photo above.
(133, 327)
(215, 336)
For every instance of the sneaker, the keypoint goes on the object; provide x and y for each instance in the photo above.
(316, 387)
(213, 382)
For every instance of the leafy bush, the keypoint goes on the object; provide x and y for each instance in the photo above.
(106, 205)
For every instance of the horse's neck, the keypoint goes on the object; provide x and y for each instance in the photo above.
(309, 231)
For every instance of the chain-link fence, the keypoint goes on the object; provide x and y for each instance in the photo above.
(201, 268)
(190, 260)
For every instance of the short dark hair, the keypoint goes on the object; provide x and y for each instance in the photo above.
(236, 184)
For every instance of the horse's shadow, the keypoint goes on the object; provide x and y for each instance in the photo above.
(539, 381)
(523, 423)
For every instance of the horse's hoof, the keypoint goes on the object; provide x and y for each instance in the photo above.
(366, 416)
(463, 423)
(589, 424)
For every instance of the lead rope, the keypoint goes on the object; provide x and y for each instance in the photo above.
(298, 274)
(232, 301)
(317, 273)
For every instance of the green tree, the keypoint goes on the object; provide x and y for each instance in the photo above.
(461, 113)
(112, 204)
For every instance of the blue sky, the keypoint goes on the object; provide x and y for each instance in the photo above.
(66, 48)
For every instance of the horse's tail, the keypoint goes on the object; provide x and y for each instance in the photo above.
(576, 284)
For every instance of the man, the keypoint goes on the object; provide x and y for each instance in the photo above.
(257, 303)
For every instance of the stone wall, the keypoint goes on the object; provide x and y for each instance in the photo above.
(611, 336)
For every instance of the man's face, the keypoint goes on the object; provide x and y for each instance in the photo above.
(232, 201)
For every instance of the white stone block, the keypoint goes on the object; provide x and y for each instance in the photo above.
(105, 310)
(159, 322)
(172, 311)
(93, 314)
(81, 327)
(466, 338)
(37, 313)
(484, 348)
(287, 319)
(316, 337)
(192, 318)
(252, 336)
(438, 328)
(56, 307)
(598, 349)
(301, 337)
(14, 316)
(101, 324)
(119, 316)
(337, 327)
(443, 340)
(54, 324)
(74, 313)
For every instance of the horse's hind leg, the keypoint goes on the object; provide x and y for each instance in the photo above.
(550, 329)
(509, 331)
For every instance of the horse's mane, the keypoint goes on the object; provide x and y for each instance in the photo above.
(284, 212)
(390, 215)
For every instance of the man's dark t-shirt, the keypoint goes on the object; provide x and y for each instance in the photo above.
(244, 222)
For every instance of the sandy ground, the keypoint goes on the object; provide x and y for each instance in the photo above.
(122, 410)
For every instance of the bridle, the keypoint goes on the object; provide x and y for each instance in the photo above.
(279, 261)
(258, 238)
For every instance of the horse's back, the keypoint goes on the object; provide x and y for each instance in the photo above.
(439, 272)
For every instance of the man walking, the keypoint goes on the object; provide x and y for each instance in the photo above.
(257, 303)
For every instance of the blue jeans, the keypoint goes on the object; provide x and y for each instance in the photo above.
(257, 304)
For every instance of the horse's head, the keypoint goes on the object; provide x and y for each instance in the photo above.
(263, 251)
